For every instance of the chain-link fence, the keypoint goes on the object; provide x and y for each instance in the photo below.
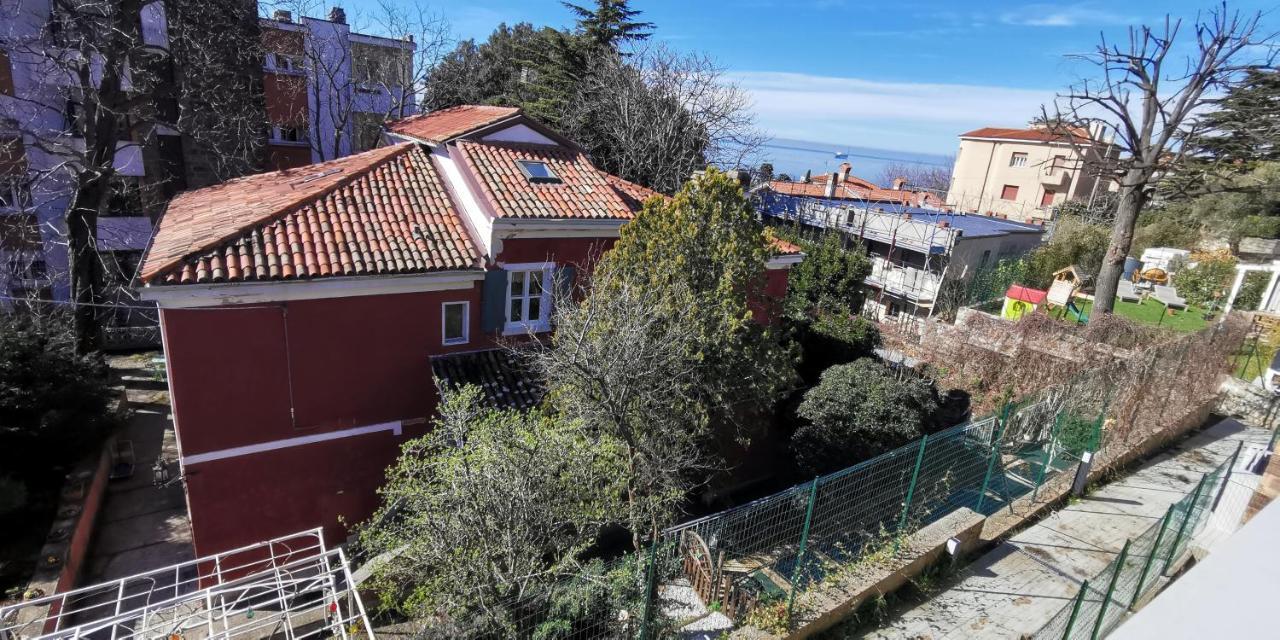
(1103, 600)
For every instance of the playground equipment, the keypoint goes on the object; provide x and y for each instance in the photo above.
(1066, 283)
(1020, 300)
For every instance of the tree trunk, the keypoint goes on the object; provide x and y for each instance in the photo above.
(85, 263)
(1132, 197)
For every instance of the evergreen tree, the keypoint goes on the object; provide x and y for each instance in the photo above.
(610, 24)
(1245, 126)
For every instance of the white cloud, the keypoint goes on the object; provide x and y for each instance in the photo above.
(1059, 15)
(924, 117)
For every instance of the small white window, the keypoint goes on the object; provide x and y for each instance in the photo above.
(455, 318)
(528, 297)
(292, 134)
(1018, 160)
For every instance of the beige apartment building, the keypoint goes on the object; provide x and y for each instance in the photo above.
(1024, 173)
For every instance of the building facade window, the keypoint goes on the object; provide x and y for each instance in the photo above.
(283, 63)
(289, 134)
(528, 297)
(1009, 192)
(1047, 198)
(1059, 162)
(455, 320)
(1018, 160)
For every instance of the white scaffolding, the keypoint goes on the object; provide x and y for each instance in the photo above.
(930, 234)
(292, 587)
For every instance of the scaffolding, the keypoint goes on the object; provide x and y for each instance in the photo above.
(931, 234)
(292, 587)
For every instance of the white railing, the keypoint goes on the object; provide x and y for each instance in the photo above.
(909, 282)
(293, 587)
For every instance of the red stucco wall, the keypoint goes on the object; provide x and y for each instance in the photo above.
(580, 252)
(342, 363)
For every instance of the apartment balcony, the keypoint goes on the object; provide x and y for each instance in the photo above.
(1055, 176)
(911, 283)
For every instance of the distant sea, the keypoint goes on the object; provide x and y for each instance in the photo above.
(794, 157)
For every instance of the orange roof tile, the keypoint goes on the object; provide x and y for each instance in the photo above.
(633, 194)
(1029, 135)
(583, 190)
(445, 124)
(783, 247)
(380, 212)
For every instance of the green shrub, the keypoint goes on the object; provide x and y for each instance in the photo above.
(53, 403)
(1207, 282)
(857, 411)
(835, 338)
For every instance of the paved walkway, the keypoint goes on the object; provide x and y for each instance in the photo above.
(141, 527)
(1021, 584)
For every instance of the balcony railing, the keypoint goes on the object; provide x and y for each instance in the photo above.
(918, 285)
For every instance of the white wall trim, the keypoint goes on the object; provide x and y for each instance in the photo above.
(182, 296)
(476, 212)
(235, 452)
(521, 133)
(784, 262)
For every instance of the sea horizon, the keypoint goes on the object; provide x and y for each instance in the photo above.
(793, 156)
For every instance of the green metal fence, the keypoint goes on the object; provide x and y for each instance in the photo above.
(1137, 570)
(752, 562)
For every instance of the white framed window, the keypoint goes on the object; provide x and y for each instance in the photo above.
(455, 323)
(1018, 160)
(283, 62)
(528, 297)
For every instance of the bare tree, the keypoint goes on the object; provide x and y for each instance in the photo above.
(622, 370)
(919, 177)
(656, 116)
(107, 88)
(354, 86)
(1150, 101)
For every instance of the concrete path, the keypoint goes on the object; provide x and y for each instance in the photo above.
(141, 527)
(1021, 584)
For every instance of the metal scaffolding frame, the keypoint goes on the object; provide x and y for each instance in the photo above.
(293, 587)
(934, 239)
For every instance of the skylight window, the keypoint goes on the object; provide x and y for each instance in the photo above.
(538, 171)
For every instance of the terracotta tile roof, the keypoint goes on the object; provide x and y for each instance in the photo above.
(583, 190)
(380, 212)
(851, 189)
(446, 124)
(507, 383)
(633, 194)
(1029, 135)
(783, 247)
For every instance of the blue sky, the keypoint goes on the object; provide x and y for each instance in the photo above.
(905, 75)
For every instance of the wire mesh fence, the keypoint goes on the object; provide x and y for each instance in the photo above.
(1103, 600)
(757, 563)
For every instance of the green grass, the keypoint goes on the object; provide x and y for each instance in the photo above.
(1150, 312)
(1248, 364)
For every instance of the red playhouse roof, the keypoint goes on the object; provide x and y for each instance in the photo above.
(1026, 294)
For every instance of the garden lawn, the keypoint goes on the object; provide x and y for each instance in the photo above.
(1149, 312)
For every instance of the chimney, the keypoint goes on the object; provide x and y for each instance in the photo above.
(831, 185)
(283, 15)
(742, 178)
(338, 15)
(845, 167)
(899, 183)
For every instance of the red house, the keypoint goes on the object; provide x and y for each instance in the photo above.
(303, 311)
